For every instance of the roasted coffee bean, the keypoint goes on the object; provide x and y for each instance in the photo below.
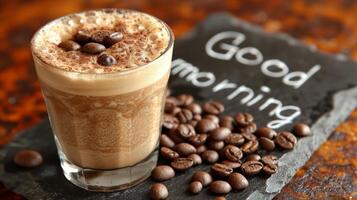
(234, 139)
(185, 149)
(165, 141)
(253, 157)
(158, 191)
(184, 116)
(238, 181)
(215, 145)
(181, 164)
(185, 131)
(197, 160)
(185, 99)
(220, 187)
(162, 173)
(213, 107)
(221, 170)
(82, 37)
(270, 159)
(249, 136)
(203, 177)
(251, 167)
(198, 139)
(170, 105)
(232, 153)
(194, 108)
(267, 143)
(28, 158)
(176, 110)
(197, 117)
(286, 140)
(113, 38)
(233, 165)
(98, 36)
(250, 128)
(214, 118)
(270, 169)
(93, 48)
(244, 119)
(168, 153)
(250, 147)
(195, 187)
(266, 132)
(220, 134)
(193, 123)
(301, 130)
(210, 156)
(205, 125)
(220, 198)
(200, 149)
(69, 45)
(169, 122)
(106, 60)
(228, 122)
(175, 136)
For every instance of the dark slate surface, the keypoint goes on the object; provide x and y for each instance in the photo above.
(325, 100)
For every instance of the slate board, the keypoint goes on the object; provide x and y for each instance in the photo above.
(325, 100)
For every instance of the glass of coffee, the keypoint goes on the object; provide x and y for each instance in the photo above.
(103, 75)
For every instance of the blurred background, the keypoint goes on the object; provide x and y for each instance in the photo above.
(331, 26)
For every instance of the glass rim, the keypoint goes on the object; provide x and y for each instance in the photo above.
(124, 72)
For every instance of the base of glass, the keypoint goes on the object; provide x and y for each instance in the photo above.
(108, 180)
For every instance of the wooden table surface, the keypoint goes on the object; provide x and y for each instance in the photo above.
(330, 25)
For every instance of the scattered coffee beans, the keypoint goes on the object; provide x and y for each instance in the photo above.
(231, 164)
(286, 140)
(168, 153)
(251, 167)
(228, 122)
(197, 160)
(220, 198)
(250, 147)
(185, 149)
(266, 132)
(93, 48)
(205, 125)
(181, 164)
(238, 181)
(301, 130)
(270, 168)
(106, 60)
(165, 141)
(235, 139)
(253, 157)
(220, 187)
(215, 145)
(158, 191)
(221, 170)
(220, 134)
(267, 143)
(162, 173)
(28, 158)
(232, 153)
(69, 45)
(210, 156)
(195, 187)
(244, 119)
(213, 107)
(113, 38)
(270, 159)
(203, 177)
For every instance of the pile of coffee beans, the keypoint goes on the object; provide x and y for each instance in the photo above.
(193, 134)
(93, 43)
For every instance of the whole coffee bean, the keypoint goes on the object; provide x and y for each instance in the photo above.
(244, 119)
(158, 191)
(251, 167)
(170, 105)
(266, 132)
(214, 118)
(232, 153)
(195, 187)
(234, 139)
(198, 139)
(286, 140)
(98, 36)
(176, 110)
(185, 149)
(181, 164)
(253, 157)
(231, 164)
(213, 107)
(220, 198)
(93, 48)
(221, 170)
(197, 160)
(185, 99)
(28, 158)
(220, 133)
(194, 108)
(203, 177)
(250, 147)
(200, 149)
(270, 159)
(220, 187)
(193, 123)
(210, 156)
(169, 122)
(184, 116)
(162, 173)
(267, 143)
(82, 37)
(185, 131)
(250, 128)
(270, 169)
(69, 45)
(301, 130)
(106, 60)
(165, 141)
(238, 181)
(168, 153)
(205, 125)
(175, 136)
(113, 38)
(228, 122)
(197, 117)
(249, 136)
(215, 145)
